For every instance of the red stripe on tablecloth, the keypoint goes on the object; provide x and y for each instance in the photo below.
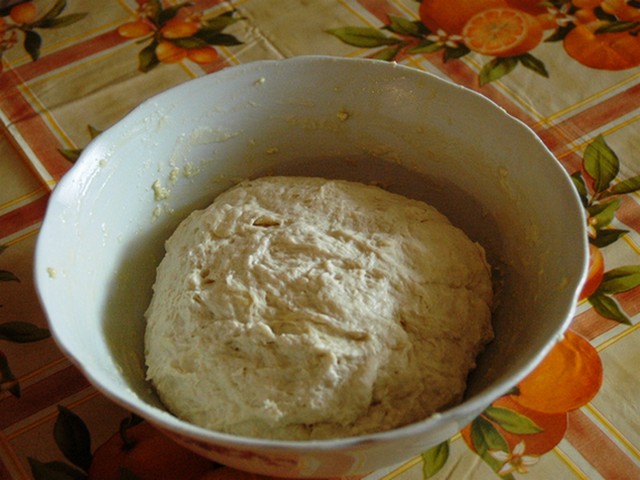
(22, 115)
(555, 138)
(379, 9)
(206, 4)
(629, 301)
(23, 217)
(627, 212)
(62, 58)
(590, 324)
(41, 395)
(215, 66)
(67, 56)
(9, 95)
(586, 121)
(572, 163)
(35, 132)
(602, 113)
(4, 473)
(598, 449)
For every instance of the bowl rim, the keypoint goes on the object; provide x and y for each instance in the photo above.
(469, 407)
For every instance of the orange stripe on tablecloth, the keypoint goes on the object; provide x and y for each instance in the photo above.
(23, 217)
(41, 395)
(598, 449)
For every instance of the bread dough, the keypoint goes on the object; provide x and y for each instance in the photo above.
(305, 308)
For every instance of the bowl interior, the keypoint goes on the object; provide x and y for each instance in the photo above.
(362, 120)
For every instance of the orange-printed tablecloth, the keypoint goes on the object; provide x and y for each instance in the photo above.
(570, 69)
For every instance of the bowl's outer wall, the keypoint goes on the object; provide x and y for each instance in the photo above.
(104, 232)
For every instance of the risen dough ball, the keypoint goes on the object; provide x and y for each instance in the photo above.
(303, 308)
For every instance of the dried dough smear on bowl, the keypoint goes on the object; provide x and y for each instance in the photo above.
(358, 120)
(303, 308)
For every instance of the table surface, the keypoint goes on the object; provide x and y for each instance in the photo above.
(568, 69)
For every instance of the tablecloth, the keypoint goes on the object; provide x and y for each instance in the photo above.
(568, 69)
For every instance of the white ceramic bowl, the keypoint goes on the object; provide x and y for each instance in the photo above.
(356, 119)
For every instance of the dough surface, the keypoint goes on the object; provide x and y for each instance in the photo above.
(304, 308)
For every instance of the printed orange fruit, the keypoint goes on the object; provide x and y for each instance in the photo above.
(135, 29)
(451, 15)
(502, 32)
(202, 54)
(605, 51)
(594, 274)
(152, 455)
(23, 12)
(552, 429)
(568, 377)
(167, 52)
(176, 28)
